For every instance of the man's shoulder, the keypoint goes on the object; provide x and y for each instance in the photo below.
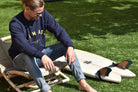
(17, 19)
(45, 13)
(17, 22)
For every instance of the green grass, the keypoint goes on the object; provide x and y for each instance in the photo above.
(105, 27)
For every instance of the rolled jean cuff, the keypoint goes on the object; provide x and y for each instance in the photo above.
(80, 79)
(42, 84)
(46, 88)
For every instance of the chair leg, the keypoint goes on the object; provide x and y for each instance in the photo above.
(1, 76)
(58, 73)
(56, 78)
(12, 84)
(64, 76)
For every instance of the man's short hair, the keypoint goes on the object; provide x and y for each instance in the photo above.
(33, 4)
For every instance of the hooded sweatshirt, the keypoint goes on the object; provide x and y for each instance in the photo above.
(29, 36)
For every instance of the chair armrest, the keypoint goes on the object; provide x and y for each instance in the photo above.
(6, 38)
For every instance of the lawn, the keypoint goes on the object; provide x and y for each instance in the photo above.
(105, 27)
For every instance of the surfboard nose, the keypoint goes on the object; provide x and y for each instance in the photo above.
(131, 74)
(124, 72)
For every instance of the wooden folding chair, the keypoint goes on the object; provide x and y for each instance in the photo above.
(8, 71)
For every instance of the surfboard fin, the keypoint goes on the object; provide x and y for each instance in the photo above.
(124, 64)
(103, 72)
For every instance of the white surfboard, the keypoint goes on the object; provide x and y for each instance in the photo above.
(91, 69)
(103, 62)
(91, 63)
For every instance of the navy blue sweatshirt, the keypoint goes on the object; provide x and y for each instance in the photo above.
(29, 36)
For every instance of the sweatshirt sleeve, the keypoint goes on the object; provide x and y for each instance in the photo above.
(20, 40)
(58, 31)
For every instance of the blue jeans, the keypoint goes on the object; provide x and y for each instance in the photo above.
(31, 64)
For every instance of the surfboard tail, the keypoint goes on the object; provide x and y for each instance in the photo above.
(103, 72)
(107, 74)
(124, 64)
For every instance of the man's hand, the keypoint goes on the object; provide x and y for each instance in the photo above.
(47, 62)
(70, 55)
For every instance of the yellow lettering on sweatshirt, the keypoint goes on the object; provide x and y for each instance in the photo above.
(42, 31)
(39, 32)
(34, 33)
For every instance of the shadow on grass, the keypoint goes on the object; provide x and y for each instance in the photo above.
(98, 18)
(5, 87)
(16, 4)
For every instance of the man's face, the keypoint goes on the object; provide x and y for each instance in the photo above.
(35, 14)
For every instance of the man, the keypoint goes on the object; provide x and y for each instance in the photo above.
(28, 49)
